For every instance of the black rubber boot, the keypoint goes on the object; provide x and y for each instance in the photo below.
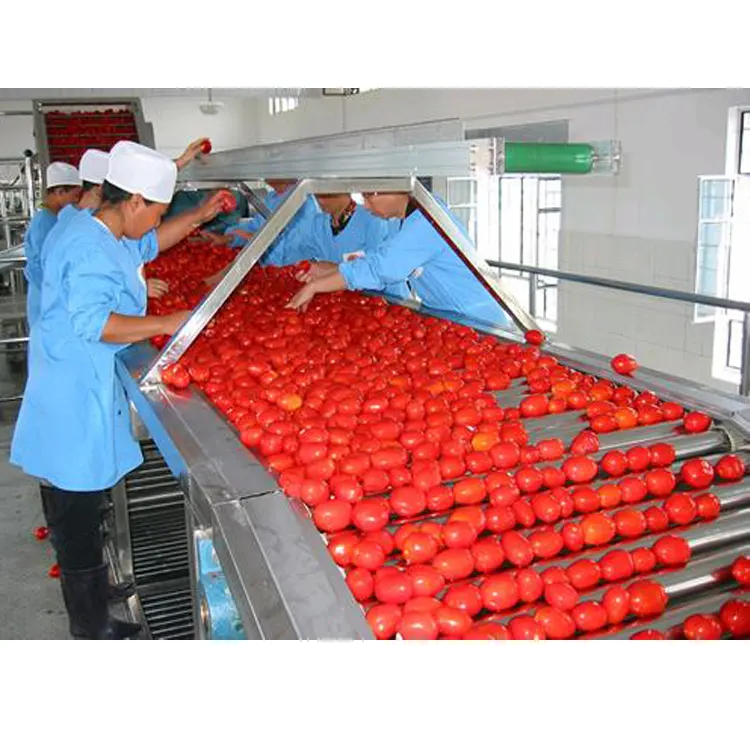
(119, 592)
(85, 595)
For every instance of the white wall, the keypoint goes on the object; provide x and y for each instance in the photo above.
(638, 226)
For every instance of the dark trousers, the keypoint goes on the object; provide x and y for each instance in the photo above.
(74, 520)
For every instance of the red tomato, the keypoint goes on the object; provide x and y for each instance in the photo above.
(452, 622)
(504, 496)
(597, 529)
(488, 555)
(572, 535)
(422, 604)
(454, 564)
(624, 364)
(584, 443)
(558, 625)
(518, 551)
(662, 454)
(656, 518)
(546, 544)
(555, 574)
(672, 551)
(610, 495)
(630, 523)
(534, 406)
(370, 515)
(54, 571)
(696, 421)
(644, 560)
(647, 598)
(589, 616)
(735, 617)
(473, 515)
(546, 508)
(638, 457)
(617, 603)
(672, 410)
(604, 423)
(420, 548)
(368, 554)
(426, 581)
(580, 470)
(584, 574)
(524, 514)
(525, 628)
(383, 538)
(617, 565)
(529, 480)
(341, 546)
(560, 595)
(355, 464)
(551, 449)
(459, 535)
(702, 628)
(348, 489)
(374, 481)
(439, 498)
(730, 467)
(488, 631)
(466, 597)
(469, 491)
(648, 635)
(534, 337)
(505, 455)
(708, 506)
(418, 626)
(394, 588)
(313, 491)
(660, 482)
(407, 501)
(633, 490)
(360, 583)
(206, 146)
(614, 463)
(681, 509)
(499, 592)
(500, 519)
(452, 467)
(585, 500)
(384, 620)
(741, 570)
(530, 585)
(697, 472)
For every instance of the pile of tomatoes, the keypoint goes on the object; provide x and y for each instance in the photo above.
(435, 500)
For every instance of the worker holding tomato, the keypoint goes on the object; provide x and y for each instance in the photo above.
(416, 255)
(63, 188)
(73, 430)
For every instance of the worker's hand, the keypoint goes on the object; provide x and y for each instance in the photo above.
(211, 207)
(174, 321)
(304, 296)
(317, 271)
(212, 281)
(156, 287)
(216, 239)
(189, 153)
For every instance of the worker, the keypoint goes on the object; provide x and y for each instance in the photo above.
(63, 188)
(73, 429)
(416, 255)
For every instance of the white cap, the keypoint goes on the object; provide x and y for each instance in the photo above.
(60, 173)
(94, 165)
(140, 170)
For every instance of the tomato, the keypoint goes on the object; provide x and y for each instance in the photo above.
(418, 626)
(708, 506)
(361, 583)
(558, 625)
(488, 631)
(580, 470)
(341, 546)
(534, 337)
(644, 560)
(383, 538)
(610, 495)
(741, 570)
(505, 496)
(638, 457)
(555, 574)
(546, 544)
(660, 482)
(702, 628)
(546, 508)
(370, 515)
(525, 628)
(452, 467)
(697, 472)
(617, 603)
(633, 490)
(735, 617)
(54, 571)
(597, 529)
(41, 533)
(586, 500)
(394, 588)
(500, 519)
(730, 467)
(624, 364)
(572, 535)
(312, 492)
(407, 501)
(465, 597)
(647, 598)
(534, 406)
(422, 604)
(469, 491)
(560, 595)
(589, 616)
(439, 498)
(384, 620)
(672, 410)
(524, 514)
(529, 480)
(374, 481)
(614, 463)
(473, 515)
(551, 449)
(584, 443)
(206, 146)
(662, 454)
(488, 555)
(630, 523)
(420, 548)
(625, 417)
(355, 464)
(584, 574)
(505, 455)
(368, 554)
(459, 535)
(452, 622)
(672, 551)
(617, 565)
(454, 564)
(426, 581)
(648, 635)
(681, 509)
(602, 424)
(518, 550)
(389, 458)
(696, 421)
(434, 529)
(499, 592)
(347, 488)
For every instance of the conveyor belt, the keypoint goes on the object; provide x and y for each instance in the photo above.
(159, 547)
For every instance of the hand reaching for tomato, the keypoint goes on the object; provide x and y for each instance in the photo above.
(156, 288)
(316, 271)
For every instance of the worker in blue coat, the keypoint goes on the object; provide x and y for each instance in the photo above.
(63, 188)
(73, 429)
(416, 255)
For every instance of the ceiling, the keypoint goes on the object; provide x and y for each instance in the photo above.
(217, 94)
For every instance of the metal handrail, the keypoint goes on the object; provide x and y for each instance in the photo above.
(649, 291)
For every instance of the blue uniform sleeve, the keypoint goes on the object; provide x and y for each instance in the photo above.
(41, 225)
(148, 246)
(414, 246)
(92, 292)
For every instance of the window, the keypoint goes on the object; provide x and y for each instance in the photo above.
(462, 201)
(715, 209)
(277, 104)
(744, 151)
